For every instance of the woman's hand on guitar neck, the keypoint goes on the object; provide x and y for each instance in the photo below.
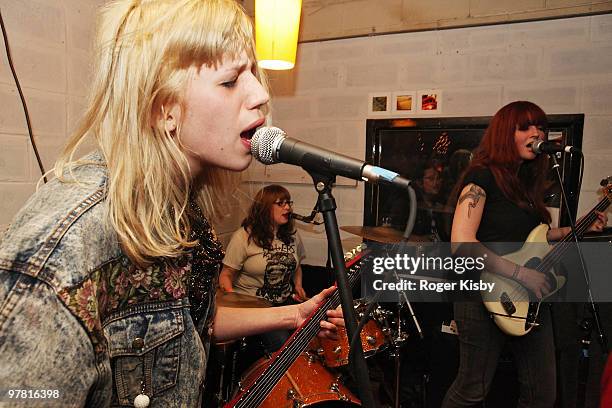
(537, 282)
(600, 222)
(329, 327)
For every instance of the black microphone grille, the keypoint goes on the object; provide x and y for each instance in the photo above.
(265, 142)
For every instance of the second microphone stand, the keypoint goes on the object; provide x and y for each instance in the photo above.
(327, 207)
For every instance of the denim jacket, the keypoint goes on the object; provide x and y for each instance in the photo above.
(78, 317)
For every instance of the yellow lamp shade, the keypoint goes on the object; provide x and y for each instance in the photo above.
(277, 24)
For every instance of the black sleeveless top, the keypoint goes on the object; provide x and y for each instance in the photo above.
(503, 221)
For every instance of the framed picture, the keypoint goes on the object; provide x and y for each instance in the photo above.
(379, 103)
(429, 101)
(404, 102)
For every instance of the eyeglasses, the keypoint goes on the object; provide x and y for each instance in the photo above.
(283, 203)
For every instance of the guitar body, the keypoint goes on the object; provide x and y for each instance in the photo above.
(292, 378)
(305, 384)
(513, 311)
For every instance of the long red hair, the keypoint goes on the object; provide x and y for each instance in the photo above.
(522, 182)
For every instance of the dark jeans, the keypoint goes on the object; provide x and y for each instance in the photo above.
(480, 344)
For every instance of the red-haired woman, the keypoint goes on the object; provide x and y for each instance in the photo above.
(501, 201)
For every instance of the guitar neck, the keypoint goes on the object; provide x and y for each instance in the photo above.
(280, 362)
(562, 246)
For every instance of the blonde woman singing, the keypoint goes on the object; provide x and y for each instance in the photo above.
(107, 274)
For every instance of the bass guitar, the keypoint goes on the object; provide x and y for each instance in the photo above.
(254, 393)
(514, 310)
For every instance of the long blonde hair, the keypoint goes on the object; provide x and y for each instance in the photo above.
(148, 50)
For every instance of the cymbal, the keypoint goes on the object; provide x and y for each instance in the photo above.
(233, 299)
(386, 235)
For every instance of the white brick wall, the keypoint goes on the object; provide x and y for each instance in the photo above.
(50, 43)
(563, 65)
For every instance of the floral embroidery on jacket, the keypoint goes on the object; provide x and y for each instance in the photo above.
(119, 285)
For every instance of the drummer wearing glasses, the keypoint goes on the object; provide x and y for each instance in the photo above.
(263, 257)
(263, 260)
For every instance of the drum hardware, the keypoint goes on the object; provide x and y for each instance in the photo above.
(374, 337)
(396, 343)
(221, 372)
(293, 396)
(400, 338)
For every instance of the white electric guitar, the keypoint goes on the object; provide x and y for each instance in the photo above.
(514, 310)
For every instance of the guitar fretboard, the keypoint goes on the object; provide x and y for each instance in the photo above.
(557, 252)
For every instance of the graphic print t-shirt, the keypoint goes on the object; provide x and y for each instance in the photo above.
(265, 273)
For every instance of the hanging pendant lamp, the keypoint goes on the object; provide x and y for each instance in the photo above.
(277, 24)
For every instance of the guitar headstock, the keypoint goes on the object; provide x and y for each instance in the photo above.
(606, 187)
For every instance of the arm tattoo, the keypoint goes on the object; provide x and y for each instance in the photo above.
(474, 194)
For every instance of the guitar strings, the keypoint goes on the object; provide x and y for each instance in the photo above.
(293, 349)
(519, 293)
(279, 365)
(553, 256)
(559, 249)
(272, 374)
(287, 355)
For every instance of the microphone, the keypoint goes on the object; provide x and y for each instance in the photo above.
(301, 217)
(540, 146)
(271, 145)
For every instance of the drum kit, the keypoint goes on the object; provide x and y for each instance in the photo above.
(316, 376)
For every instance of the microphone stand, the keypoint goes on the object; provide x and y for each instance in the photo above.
(596, 319)
(601, 335)
(327, 207)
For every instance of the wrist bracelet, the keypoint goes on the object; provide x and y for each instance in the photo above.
(517, 268)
